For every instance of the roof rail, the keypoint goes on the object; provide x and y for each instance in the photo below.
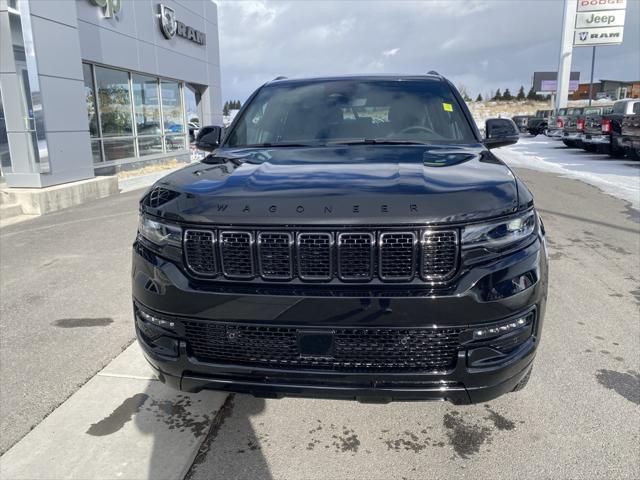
(433, 72)
(280, 77)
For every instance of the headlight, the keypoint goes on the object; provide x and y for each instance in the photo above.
(159, 233)
(499, 233)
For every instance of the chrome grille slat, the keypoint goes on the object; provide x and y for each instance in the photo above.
(275, 255)
(358, 255)
(200, 252)
(236, 254)
(315, 255)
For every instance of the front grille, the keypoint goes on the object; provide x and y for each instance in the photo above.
(199, 250)
(236, 249)
(439, 254)
(275, 255)
(397, 255)
(314, 256)
(347, 256)
(354, 349)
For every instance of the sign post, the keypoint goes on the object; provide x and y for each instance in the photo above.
(566, 51)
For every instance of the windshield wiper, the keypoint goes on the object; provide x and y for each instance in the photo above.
(278, 144)
(376, 141)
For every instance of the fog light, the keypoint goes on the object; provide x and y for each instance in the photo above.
(155, 320)
(497, 330)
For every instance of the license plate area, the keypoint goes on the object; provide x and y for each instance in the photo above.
(316, 343)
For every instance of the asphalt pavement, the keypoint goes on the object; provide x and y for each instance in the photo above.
(65, 312)
(579, 417)
(65, 305)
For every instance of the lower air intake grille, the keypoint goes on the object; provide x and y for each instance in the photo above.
(355, 349)
(199, 250)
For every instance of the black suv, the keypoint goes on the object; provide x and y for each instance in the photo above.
(348, 237)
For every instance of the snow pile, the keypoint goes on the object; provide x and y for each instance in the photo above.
(619, 178)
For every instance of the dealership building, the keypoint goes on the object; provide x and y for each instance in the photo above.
(91, 87)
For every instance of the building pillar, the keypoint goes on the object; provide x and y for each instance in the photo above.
(43, 94)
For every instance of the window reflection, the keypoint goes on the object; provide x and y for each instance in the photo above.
(118, 148)
(172, 112)
(90, 97)
(146, 104)
(114, 102)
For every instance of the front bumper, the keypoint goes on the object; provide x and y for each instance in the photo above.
(482, 295)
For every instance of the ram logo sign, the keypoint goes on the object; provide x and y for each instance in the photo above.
(598, 36)
(110, 7)
(171, 26)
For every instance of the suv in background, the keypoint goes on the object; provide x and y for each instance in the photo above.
(522, 122)
(349, 237)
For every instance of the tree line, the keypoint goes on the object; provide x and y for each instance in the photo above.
(498, 96)
(231, 105)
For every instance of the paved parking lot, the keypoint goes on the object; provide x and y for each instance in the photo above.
(65, 312)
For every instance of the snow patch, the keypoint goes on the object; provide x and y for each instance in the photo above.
(619, 178)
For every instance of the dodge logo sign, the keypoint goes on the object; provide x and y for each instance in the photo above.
(168, 23)
(171, 27)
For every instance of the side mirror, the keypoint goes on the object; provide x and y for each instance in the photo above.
(500, 132)
(208, 138)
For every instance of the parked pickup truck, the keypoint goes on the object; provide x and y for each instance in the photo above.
(631, 132)
(612, 125)
(522, 122)
(556, 124)
(540, 122)
(593, 138)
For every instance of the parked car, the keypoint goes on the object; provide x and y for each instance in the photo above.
(612, 125)
(630, 138)
(540, 122)
(556, 124)
(521, 122)
(348, 237)
(593, 139)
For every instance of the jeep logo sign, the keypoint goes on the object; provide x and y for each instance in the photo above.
(171, 27)
(110, 7)
(611, 18)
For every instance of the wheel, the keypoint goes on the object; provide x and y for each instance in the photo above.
(590, 148)
(568, 143)
(523, 382)
(634, 153)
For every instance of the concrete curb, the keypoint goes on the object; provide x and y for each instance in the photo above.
(123, 423)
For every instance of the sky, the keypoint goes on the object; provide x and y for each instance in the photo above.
(482, 45)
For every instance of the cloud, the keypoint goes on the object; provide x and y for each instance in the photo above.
(483, 44)
(391, 52)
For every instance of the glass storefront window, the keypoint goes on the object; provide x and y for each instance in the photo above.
(118, 148)
(146, 104)
(114, 102)
(149, 145)
(174, 142)
(133, 115)
(172, 111)
(90, 97)
(5, 154)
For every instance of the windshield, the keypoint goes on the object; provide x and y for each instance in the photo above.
(324, 112)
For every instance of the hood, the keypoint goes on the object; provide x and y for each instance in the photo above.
(364, 184)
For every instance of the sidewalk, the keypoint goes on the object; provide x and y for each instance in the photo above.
(123, 423)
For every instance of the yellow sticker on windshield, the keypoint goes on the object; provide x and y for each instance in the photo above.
(447, 107)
